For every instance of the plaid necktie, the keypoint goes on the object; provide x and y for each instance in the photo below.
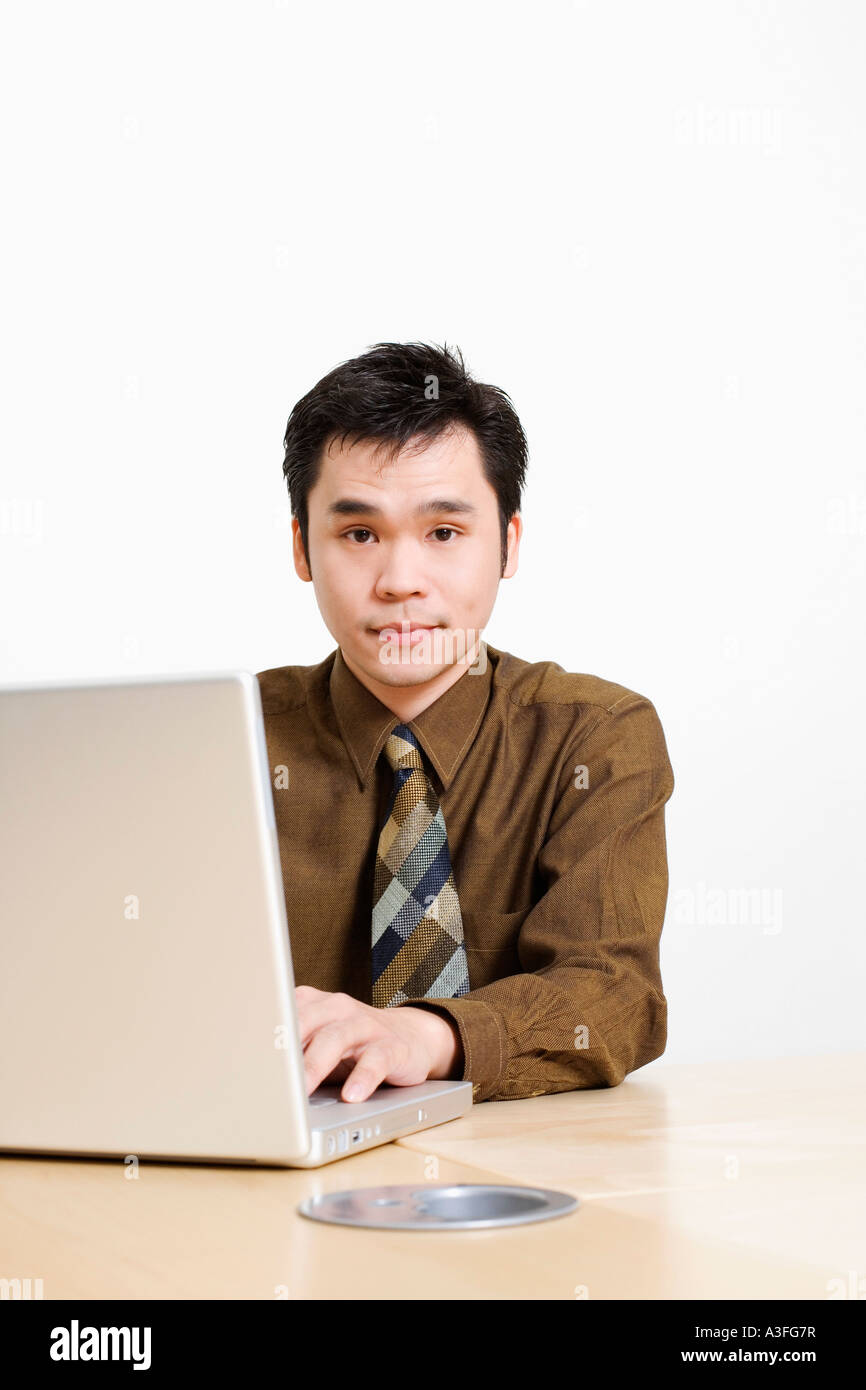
(418, 949)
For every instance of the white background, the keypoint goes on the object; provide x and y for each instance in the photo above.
(645, 222)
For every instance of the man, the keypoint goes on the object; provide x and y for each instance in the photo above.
(473, 845)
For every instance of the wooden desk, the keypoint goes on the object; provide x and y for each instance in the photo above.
(719, 1180)
(716, 1180)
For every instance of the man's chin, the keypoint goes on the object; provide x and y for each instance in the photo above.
(401, 663)
(406, 672)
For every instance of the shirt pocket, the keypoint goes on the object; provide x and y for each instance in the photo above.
(491, 944)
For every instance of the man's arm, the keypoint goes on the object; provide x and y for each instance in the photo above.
(589, 1008)
(446, 1049)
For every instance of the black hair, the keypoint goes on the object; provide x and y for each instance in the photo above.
(392, 393)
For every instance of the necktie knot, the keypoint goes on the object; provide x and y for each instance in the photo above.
(402, 749)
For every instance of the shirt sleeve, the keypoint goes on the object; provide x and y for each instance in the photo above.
(589, 1007)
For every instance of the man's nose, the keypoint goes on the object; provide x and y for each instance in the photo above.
(402, 569)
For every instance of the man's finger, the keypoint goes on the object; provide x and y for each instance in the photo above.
(328, 1046)
(372, 1067)
(320, 1007)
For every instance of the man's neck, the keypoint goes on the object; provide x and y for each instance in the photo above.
(408, 701)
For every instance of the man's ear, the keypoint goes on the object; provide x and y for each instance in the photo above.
(302, 569)
(512, 537)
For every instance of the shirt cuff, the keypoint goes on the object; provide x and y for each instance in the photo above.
(482, 1034)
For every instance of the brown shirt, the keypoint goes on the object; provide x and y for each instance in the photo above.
(552, 786)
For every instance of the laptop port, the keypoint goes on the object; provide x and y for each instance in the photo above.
(357, 1136)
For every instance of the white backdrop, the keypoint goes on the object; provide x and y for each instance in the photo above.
(645, 222)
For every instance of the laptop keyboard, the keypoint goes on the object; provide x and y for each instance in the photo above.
(321, 1097)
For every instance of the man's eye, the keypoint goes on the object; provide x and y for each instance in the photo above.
(364, 531)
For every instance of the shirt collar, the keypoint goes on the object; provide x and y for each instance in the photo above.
(444, 730)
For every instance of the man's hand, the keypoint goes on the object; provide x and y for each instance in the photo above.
(345, 1040)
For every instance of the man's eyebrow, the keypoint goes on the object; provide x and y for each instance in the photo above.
(353, 506)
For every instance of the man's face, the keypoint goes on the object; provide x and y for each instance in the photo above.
(413, 541)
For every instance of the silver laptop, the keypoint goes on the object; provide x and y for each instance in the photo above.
(146, 987)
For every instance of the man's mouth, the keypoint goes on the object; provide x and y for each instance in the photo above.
(405, 632)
